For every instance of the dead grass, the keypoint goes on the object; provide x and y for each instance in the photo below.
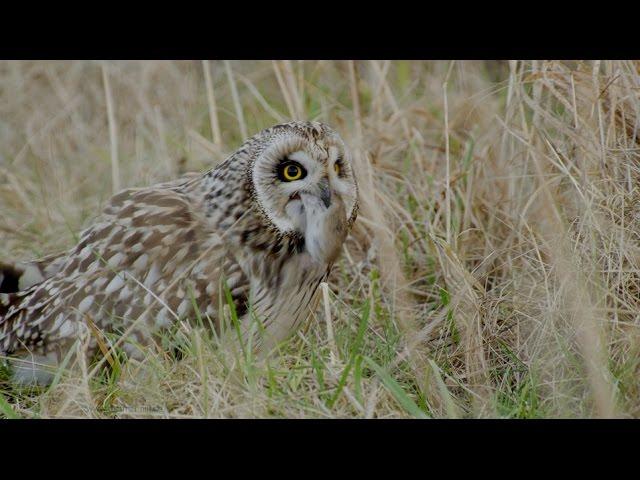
(494, 270)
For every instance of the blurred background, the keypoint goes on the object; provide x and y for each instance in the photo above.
(493, 270)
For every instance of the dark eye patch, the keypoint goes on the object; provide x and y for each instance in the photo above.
(340, 166)
(290, 170)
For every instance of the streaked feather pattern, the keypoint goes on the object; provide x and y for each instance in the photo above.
(157, 254)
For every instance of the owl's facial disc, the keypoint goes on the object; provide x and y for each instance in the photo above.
(307, 187)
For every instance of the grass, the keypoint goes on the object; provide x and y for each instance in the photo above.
(493, 270)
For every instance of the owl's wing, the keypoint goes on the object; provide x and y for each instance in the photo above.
(149, 255)
(17, 276)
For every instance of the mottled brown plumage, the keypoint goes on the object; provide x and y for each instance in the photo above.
(162, 254)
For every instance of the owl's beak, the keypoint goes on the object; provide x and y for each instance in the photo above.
(310, 197)
(325, 192)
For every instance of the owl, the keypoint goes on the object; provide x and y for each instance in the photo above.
(257, 234)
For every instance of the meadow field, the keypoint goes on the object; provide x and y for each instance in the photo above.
(493, 271)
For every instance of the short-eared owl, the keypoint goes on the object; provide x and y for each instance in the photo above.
(265, 227)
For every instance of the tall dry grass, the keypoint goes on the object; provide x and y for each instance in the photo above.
(493, 271)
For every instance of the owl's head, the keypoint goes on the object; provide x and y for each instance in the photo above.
(303, 180)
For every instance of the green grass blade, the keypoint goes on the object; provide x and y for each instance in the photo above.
(341, 384)
(6, 409)
(449, 404)
(396, 390)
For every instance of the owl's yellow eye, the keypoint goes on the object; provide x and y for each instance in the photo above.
(336, 168)
(290, 171)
